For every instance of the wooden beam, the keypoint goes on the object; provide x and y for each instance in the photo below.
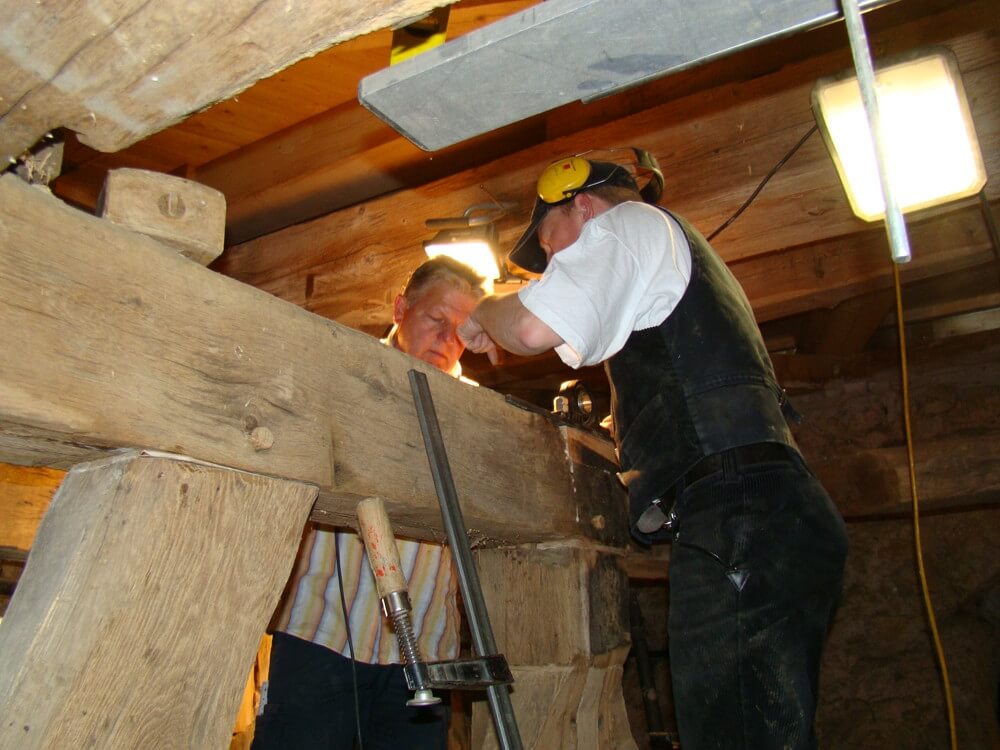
(950, 472)
(330, 183)
(117, 76)
(113, 340)
(826, 273)
(962, 291)
(142, 604)
(560, 615)
(847, 327)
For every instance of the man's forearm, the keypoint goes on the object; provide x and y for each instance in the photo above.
(514, 327)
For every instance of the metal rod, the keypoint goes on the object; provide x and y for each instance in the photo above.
(899, 242)
(647, 680)
(468, 579)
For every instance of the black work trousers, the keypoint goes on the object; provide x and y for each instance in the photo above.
(310, 704)
(755, 574)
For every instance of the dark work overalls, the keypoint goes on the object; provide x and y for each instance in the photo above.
(758, 547)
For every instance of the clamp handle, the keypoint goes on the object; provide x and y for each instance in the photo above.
(383, 555)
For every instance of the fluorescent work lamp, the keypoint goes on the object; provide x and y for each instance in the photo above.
(930, 144)
(473, 246)
(471, 239)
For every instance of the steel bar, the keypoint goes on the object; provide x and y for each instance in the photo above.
(647, 681)
(468, 579)
(899, 242)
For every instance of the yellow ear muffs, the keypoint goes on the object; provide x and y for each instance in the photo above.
(563, 179)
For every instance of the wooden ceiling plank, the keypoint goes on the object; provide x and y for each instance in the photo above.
(25, 493)
(392, 166)
(118, 79)
(827, 273)
(328, 139)
(967, 290)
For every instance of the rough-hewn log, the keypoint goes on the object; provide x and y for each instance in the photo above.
(853, 431)
(143, 602)
(116, 74)
(950, 474)
(114, 340)
(560, 615)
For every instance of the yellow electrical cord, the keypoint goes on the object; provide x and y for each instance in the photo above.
(938, 649)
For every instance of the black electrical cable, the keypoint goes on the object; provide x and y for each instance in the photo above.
(763, 182)
(350, 641)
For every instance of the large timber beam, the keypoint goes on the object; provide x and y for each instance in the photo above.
(112, 340)
(118, 72)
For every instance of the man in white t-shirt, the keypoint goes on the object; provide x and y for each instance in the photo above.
(709, 462)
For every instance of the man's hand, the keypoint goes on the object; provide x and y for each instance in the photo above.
(502, 321)
(475, 338)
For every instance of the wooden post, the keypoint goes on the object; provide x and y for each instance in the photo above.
(560, 614)
(142, 603)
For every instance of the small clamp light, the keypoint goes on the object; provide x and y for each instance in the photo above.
(575, 404)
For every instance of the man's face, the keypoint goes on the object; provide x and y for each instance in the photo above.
(427, 325)
(560, 228)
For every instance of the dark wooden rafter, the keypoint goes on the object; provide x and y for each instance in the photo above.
(847, 327)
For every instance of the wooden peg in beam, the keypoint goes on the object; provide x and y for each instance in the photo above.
(184, 214)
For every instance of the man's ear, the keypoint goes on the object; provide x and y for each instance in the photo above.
(583, 203)
(398, 309)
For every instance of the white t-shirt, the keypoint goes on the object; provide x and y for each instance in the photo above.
(626, 272)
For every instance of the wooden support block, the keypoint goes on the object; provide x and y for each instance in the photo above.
(187, 216)
(578, 706)
(142, 604)
(560, 616)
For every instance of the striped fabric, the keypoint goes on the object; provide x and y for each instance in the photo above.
(312, 610)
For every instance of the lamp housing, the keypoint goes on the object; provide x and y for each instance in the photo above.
(930, 143)
(475, 246)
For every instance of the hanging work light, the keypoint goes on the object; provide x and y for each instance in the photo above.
(930, 147)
